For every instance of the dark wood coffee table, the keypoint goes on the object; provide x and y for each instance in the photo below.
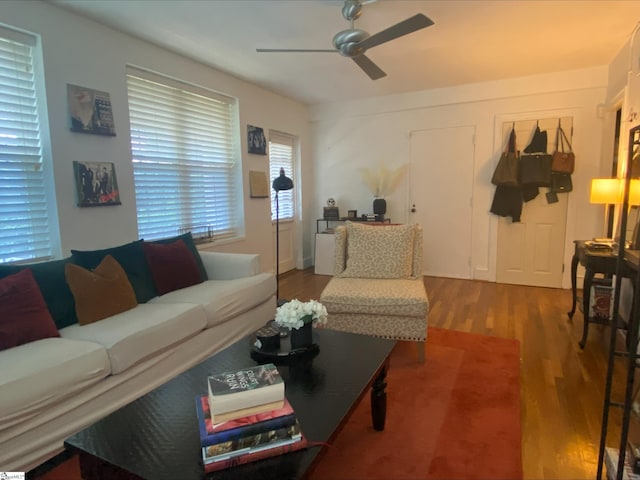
(156, 436)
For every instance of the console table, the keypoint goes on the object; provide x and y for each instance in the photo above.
(341, 221)
(594, 261)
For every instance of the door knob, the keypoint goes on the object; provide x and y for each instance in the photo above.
(413, 208)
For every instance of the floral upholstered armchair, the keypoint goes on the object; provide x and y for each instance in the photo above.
(377, 288)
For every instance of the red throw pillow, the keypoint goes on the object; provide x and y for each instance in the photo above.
(172, 266)
(24, 316)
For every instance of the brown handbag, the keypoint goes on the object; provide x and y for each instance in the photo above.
(506, 172)
(562, 161)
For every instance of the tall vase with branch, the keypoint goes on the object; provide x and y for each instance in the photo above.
(382, 181)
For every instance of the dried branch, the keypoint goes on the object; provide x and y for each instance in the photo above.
(382, 181)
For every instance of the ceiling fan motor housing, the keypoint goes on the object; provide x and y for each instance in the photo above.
(347, 42)
(351, 9)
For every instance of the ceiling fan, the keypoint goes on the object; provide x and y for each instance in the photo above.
(354, 42)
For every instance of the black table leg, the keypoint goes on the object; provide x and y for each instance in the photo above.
(574, 289)
(379, 400)
(586, 294)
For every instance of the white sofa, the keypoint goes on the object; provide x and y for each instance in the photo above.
(54, 387)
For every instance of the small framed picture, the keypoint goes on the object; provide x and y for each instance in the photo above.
(258, 186)
(90, 111)
(352, 213)
(256, 141)
(96, 184)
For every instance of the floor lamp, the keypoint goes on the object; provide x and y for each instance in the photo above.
(279, 183)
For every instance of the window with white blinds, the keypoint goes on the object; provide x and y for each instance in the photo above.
(25, 230)
(183, 147)
(281, 155)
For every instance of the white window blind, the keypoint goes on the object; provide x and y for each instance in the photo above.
(183, 146)
(25, 232)
(281, 155)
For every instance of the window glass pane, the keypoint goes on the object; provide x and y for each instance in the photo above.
(25, 232)
(184, 159)
(281, 156)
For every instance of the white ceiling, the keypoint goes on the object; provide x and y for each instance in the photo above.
(471, 41)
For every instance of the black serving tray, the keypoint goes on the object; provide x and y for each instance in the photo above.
(285, 355)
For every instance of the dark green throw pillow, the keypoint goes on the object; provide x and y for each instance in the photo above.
(53, 285)
(131, 257)
(187, 238)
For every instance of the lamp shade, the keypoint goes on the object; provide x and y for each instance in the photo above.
(609, 191)
(634, 192)
(606, 190)
(282, 182)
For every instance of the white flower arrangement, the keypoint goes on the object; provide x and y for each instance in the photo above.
(294, 314)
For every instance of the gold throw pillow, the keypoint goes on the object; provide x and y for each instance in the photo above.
(100, 293)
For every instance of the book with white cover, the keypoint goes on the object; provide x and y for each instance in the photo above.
(245, 388)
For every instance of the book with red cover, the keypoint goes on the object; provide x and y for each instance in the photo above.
(211, 434)
(255, 456)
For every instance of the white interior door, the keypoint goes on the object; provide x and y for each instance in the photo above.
(531, 252)
(286, 244)
(441, 189)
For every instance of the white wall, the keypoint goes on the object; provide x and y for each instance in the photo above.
(366, 132)
(82, 52)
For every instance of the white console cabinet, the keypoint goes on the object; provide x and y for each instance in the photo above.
(324, 253)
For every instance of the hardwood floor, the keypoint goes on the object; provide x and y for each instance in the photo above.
(562, 386)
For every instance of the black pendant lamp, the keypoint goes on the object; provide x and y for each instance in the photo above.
(281, 182)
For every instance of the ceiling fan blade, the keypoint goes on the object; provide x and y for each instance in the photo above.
(370, 68)
(409, 25)
(298, 50)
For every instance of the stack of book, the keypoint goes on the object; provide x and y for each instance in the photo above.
(245, 417)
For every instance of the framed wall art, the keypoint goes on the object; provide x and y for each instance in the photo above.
(96, 184)
(258, 186)
(256, 141)
(90, 111)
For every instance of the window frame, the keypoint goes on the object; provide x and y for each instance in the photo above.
(286, 198)
(198, 164)
(44, 232)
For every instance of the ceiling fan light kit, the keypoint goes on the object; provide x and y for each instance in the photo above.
(354, 42)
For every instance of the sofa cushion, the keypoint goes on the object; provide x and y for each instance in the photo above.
(44, 372)
(172, 266)
(398, 297)
(24, 316)
(101, 293)
(187, 238)
(53, 286)
(142, 332)
(131, 258)
(224, 299)
(379, 251)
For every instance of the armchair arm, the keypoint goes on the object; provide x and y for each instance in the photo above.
(227, 266)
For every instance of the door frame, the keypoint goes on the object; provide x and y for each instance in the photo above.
(498, 146)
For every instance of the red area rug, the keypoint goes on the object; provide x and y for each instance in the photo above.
(457, 416)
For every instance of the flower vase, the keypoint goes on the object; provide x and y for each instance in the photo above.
(302, 337)
(379, 208)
